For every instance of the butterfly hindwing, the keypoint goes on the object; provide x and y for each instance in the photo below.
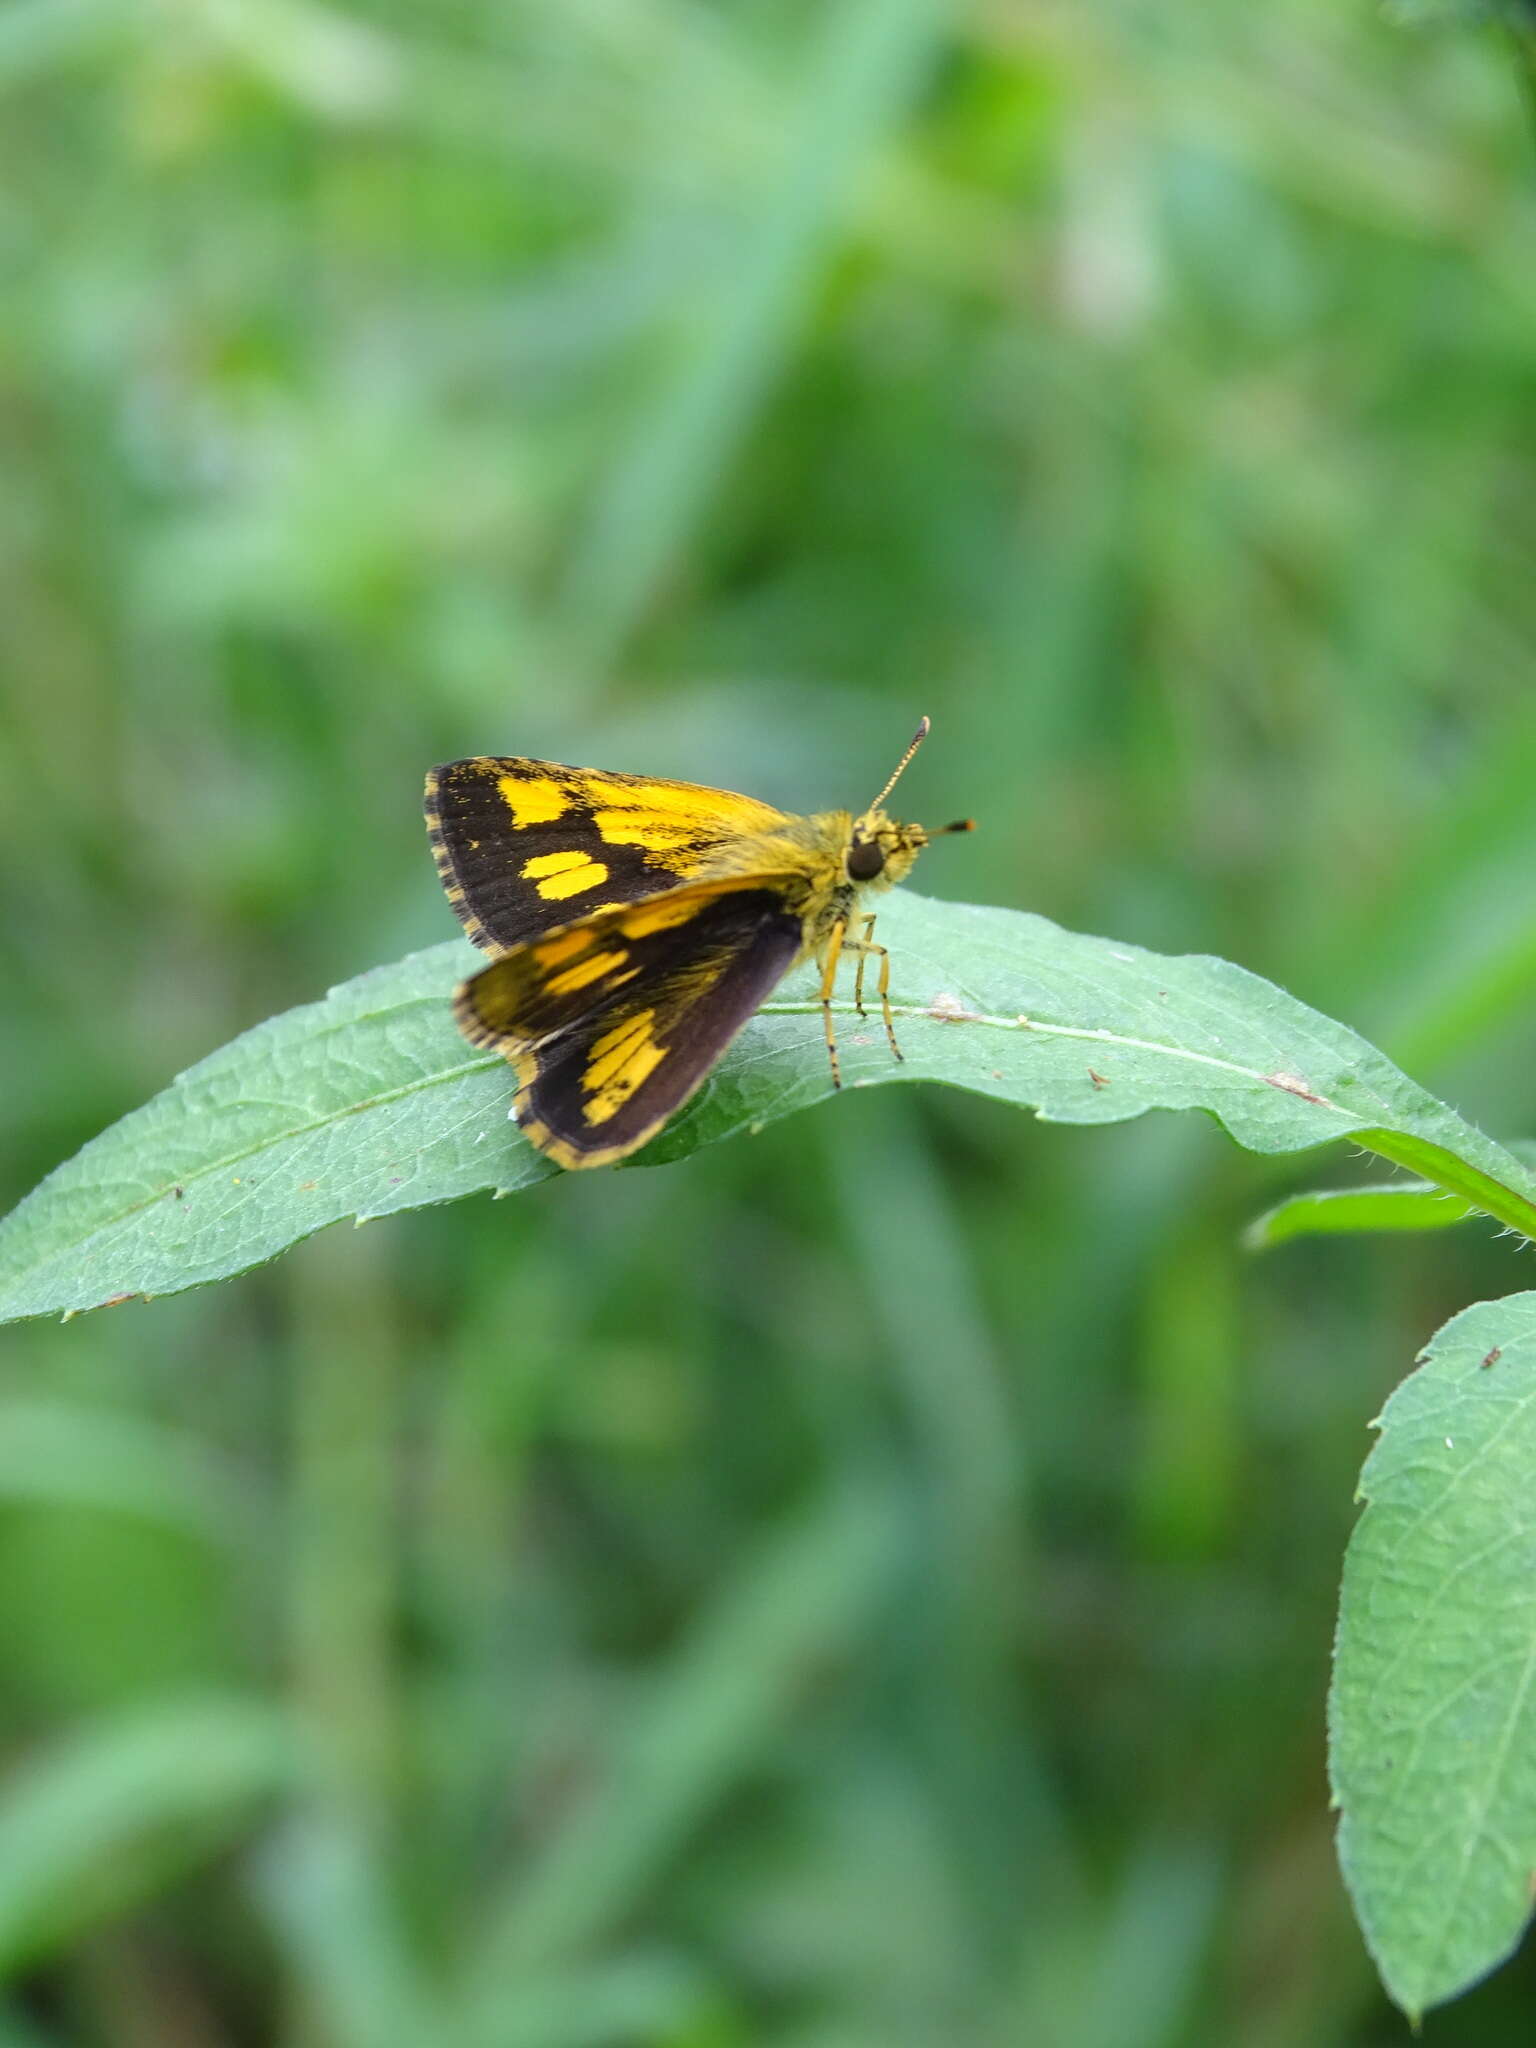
(526, 846)
(611, 1024)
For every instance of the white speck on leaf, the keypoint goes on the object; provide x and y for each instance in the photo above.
(1294, 1085)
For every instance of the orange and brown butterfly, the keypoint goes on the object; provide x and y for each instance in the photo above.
(638, 924)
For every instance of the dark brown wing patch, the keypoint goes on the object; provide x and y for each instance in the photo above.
(614, 1034)
(526, 846)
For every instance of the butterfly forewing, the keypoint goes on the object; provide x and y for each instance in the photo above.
(611, 1024)
(526, 846)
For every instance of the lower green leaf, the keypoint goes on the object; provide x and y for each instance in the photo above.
(1341, 1212)
(1381, 1205)
(1432, 1715)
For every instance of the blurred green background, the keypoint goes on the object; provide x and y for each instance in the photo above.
(868, 1587)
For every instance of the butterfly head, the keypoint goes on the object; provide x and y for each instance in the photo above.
(881, 851)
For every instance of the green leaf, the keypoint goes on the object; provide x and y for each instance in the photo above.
(355, 1106)
(1432, 1715)
(370, 1102)
(1377, 1205)
(1339, 1212)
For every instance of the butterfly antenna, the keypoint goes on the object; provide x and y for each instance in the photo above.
(917, 740)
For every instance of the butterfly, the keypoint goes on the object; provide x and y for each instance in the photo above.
(637, 924)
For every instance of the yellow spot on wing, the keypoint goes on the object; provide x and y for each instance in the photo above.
(693, 805)
(611, 1050)
(565, 946)
(534, 800)
(635, 828)
(586, 972)
(621, 1060)
(672, 817)
(659, 915)
(555, 863)
(558, 887)
(568, 873)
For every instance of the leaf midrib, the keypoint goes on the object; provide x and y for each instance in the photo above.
(481, 1062)
(302, 1130)
(1098, 1037)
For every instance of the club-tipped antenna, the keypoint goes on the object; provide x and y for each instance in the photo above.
(917, 740)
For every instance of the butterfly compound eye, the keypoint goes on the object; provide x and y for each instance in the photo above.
(866, 857)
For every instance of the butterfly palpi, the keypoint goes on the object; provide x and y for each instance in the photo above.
(637, 924)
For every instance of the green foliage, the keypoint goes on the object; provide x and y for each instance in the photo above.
(1147, 394)
(370, 1102)
(1433, 1709)
(1343, 1212)
(97, 1823)
(1385, 1205)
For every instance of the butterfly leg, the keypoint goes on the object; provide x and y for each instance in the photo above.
(866, 947)
(829, 962)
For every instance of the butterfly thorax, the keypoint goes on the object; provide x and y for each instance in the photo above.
(823, 863)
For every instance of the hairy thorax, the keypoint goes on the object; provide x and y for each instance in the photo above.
(810, 859)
